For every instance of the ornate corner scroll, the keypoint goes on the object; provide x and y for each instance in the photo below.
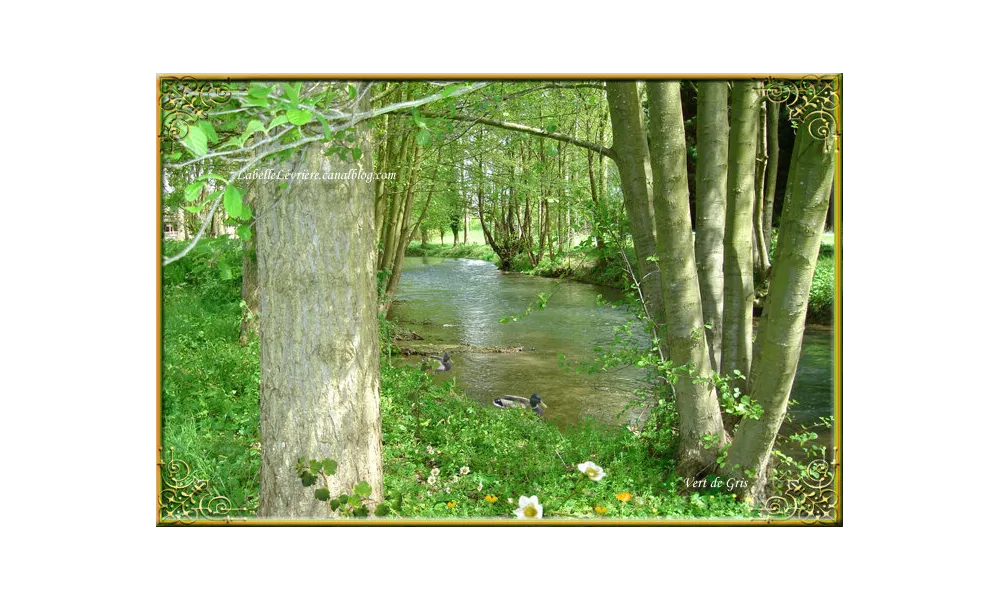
(185, 100)
(185, 499)
(811, 499)
(813, 102)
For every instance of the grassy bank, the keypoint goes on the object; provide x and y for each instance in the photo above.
(444, 455)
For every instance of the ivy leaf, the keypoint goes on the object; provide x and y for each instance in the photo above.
(329, 466)
(449, 90)
(209, 131)
(322, 494)
(354, 501)
(382, 510)
(299, 117)
(307, 479)
(363, 489)
(335, 504)
(233, 201)
(315, 466)
(192, 191)
(196, 141)
(423, 137)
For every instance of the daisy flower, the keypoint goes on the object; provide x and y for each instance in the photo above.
(591, 470)
(464, 471)
(529, 508)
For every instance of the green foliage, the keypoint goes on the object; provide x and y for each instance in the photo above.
(822, 295)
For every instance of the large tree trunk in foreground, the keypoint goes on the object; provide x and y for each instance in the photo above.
(319, 373)
(779, 336)
(737, 315)
(631, 154)
(710, 199)
(697, 406)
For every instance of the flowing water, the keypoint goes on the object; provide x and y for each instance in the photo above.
(461, 301)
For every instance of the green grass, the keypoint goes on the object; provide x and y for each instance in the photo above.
(210, 415)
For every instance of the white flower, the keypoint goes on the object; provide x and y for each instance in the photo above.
(435, 471)
(529, 508)
(480, 486)
(431, 480)
(591, 470)
(464, 471)
(430, 450)
(447, 490)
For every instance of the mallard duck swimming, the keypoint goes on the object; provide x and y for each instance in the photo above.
(444, 362)
(535, 403)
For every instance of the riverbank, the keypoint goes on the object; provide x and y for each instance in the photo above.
(582, 265)
(444, 455)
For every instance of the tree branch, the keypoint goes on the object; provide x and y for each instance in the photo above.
(518, 127)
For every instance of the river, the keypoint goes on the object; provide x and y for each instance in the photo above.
(461, 301)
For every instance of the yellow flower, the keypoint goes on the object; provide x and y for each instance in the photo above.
(452, 504)
(600, 510)
(491, 499)
(624, 496)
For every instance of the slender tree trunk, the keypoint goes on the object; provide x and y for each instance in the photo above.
(631, 154)
(697, 405)
(250, 324)
(710, 197)
(771, 185)
(761, 260)
(737, 314)
(780, 333)
(319, 373)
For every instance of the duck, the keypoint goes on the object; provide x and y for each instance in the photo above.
(535, 403)
(444, 362)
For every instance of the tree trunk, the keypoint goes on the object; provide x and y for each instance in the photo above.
(711, 172)
(631, 155)
(761, 260)
(250, 324)
(779, 339)
(319, 373)
(737, 312)
(771, 185)
(697, 406)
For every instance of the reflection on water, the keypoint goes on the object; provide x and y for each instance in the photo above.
(461, 301)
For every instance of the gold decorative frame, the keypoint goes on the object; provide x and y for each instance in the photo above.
(813, 102)
(184, 100)
(184, 499)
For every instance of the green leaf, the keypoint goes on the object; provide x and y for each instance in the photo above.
(322, 494)
(299, 117)
(192, 191)
(419, 119)
(335, 504)
(279, 120)
(351, 92)
(354, 501)
(450, 89)
(363, 489)
(209, 131)
(259, 92)
(196, 141)
(329, 466)
(252, 128)
(197, 208)
(247, 213)
(326, 127)
(423, 137)
(292, 93)
(255, 101)
(382, 510)
(244, 232)
(233, 201)
(307, 479)
(361, 511)
(356, 152)
(315, 466)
